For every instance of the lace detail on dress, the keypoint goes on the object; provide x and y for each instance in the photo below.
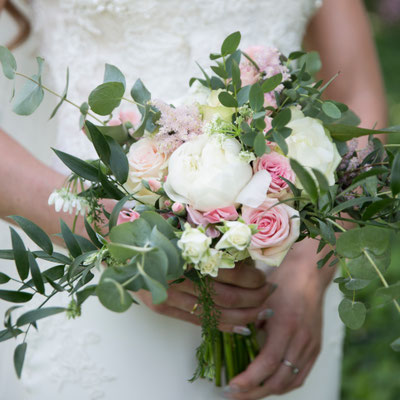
(157, 40)
(68, 360)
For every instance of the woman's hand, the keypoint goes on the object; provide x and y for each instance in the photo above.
(293, 332)
(240, 295)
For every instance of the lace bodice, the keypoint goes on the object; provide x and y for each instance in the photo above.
(156, 40)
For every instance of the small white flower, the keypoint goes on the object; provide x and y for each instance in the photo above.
(67, 202)
(194, 244)
(213, 261)
(238, 236)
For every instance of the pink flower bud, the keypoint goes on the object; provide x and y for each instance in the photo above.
(167, 203)
(154, 184)
(127, 216)
(178, 209)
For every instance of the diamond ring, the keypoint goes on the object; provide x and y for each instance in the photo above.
(295, 369)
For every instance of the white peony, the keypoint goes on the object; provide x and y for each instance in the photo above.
(213, 261)
(311, 145)
(237, 236)
(207, 173)
(194, 244)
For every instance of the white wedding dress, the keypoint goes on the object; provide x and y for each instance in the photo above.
(140, 354)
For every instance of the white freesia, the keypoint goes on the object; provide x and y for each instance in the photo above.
(237, 236)
(194, 244)
(310, 145)
(213, 260)
(207, 173)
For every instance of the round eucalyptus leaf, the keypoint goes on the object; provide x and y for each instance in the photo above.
(352, 313)
(8, 62)
(113, 295)
(106, 97)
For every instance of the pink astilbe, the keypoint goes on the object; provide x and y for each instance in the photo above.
(177, 125)
(268, 61)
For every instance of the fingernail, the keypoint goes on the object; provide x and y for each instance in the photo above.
(231, 389)
(241, 330)
(265, 314)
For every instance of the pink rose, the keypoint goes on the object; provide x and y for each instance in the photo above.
(277, 165)
(127, 216)
(195, 217)
(126, 116)
(279, 228)
(225, 213)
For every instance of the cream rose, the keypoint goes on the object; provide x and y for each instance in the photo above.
(311, 145)
(145, 162)
(213, 260)
(207, 173)
(238, 236)
(194, 244)
(213, 108)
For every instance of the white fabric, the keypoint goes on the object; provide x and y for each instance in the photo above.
(140, 354)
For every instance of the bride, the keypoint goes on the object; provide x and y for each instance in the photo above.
(144, 353)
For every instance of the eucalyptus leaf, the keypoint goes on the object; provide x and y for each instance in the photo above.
(36, 274)
(243, 95)
(40, 313)
(7, 334)
(331, 110)
(29, 98)
(113, 74)
(113, 295)
(395, 175)
(70, 240)
(8, 62)
(352, 313)
(20, 254)
(15, 297)
(231, 43)
(141, 95)
(19, 358)
(37, 234)
(271, 83)
(260, 145)
(389, 293)
(306, 180)
(282, 119)
(256, 97)
(106, 97)
(227, 99)
(279, 139)
(78, 166)
(162, 225)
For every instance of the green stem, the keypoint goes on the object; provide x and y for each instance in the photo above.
(58, 95)
(250, 350)
(229, 362)
(218, 358)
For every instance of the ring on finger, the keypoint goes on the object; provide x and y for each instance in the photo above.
(295, 370)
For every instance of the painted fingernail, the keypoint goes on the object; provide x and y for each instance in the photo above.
(241, 330)
(265, 314)
(231, 389)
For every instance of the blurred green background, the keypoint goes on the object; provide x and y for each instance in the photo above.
(371, 369)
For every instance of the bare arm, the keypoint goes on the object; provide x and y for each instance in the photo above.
(341, 33)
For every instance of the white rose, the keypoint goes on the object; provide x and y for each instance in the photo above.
(207, 173)
(238, 236)
(311, 145)
(145, 162)
(194, 244)
(213, 108)
(213, 261)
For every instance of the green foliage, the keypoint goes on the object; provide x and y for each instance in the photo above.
(352, 313)
(8, 62)
(231, 43)
(29, 98)
(106, 97)
(19, 358)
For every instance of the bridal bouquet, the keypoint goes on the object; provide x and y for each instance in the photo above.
(250, 161)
